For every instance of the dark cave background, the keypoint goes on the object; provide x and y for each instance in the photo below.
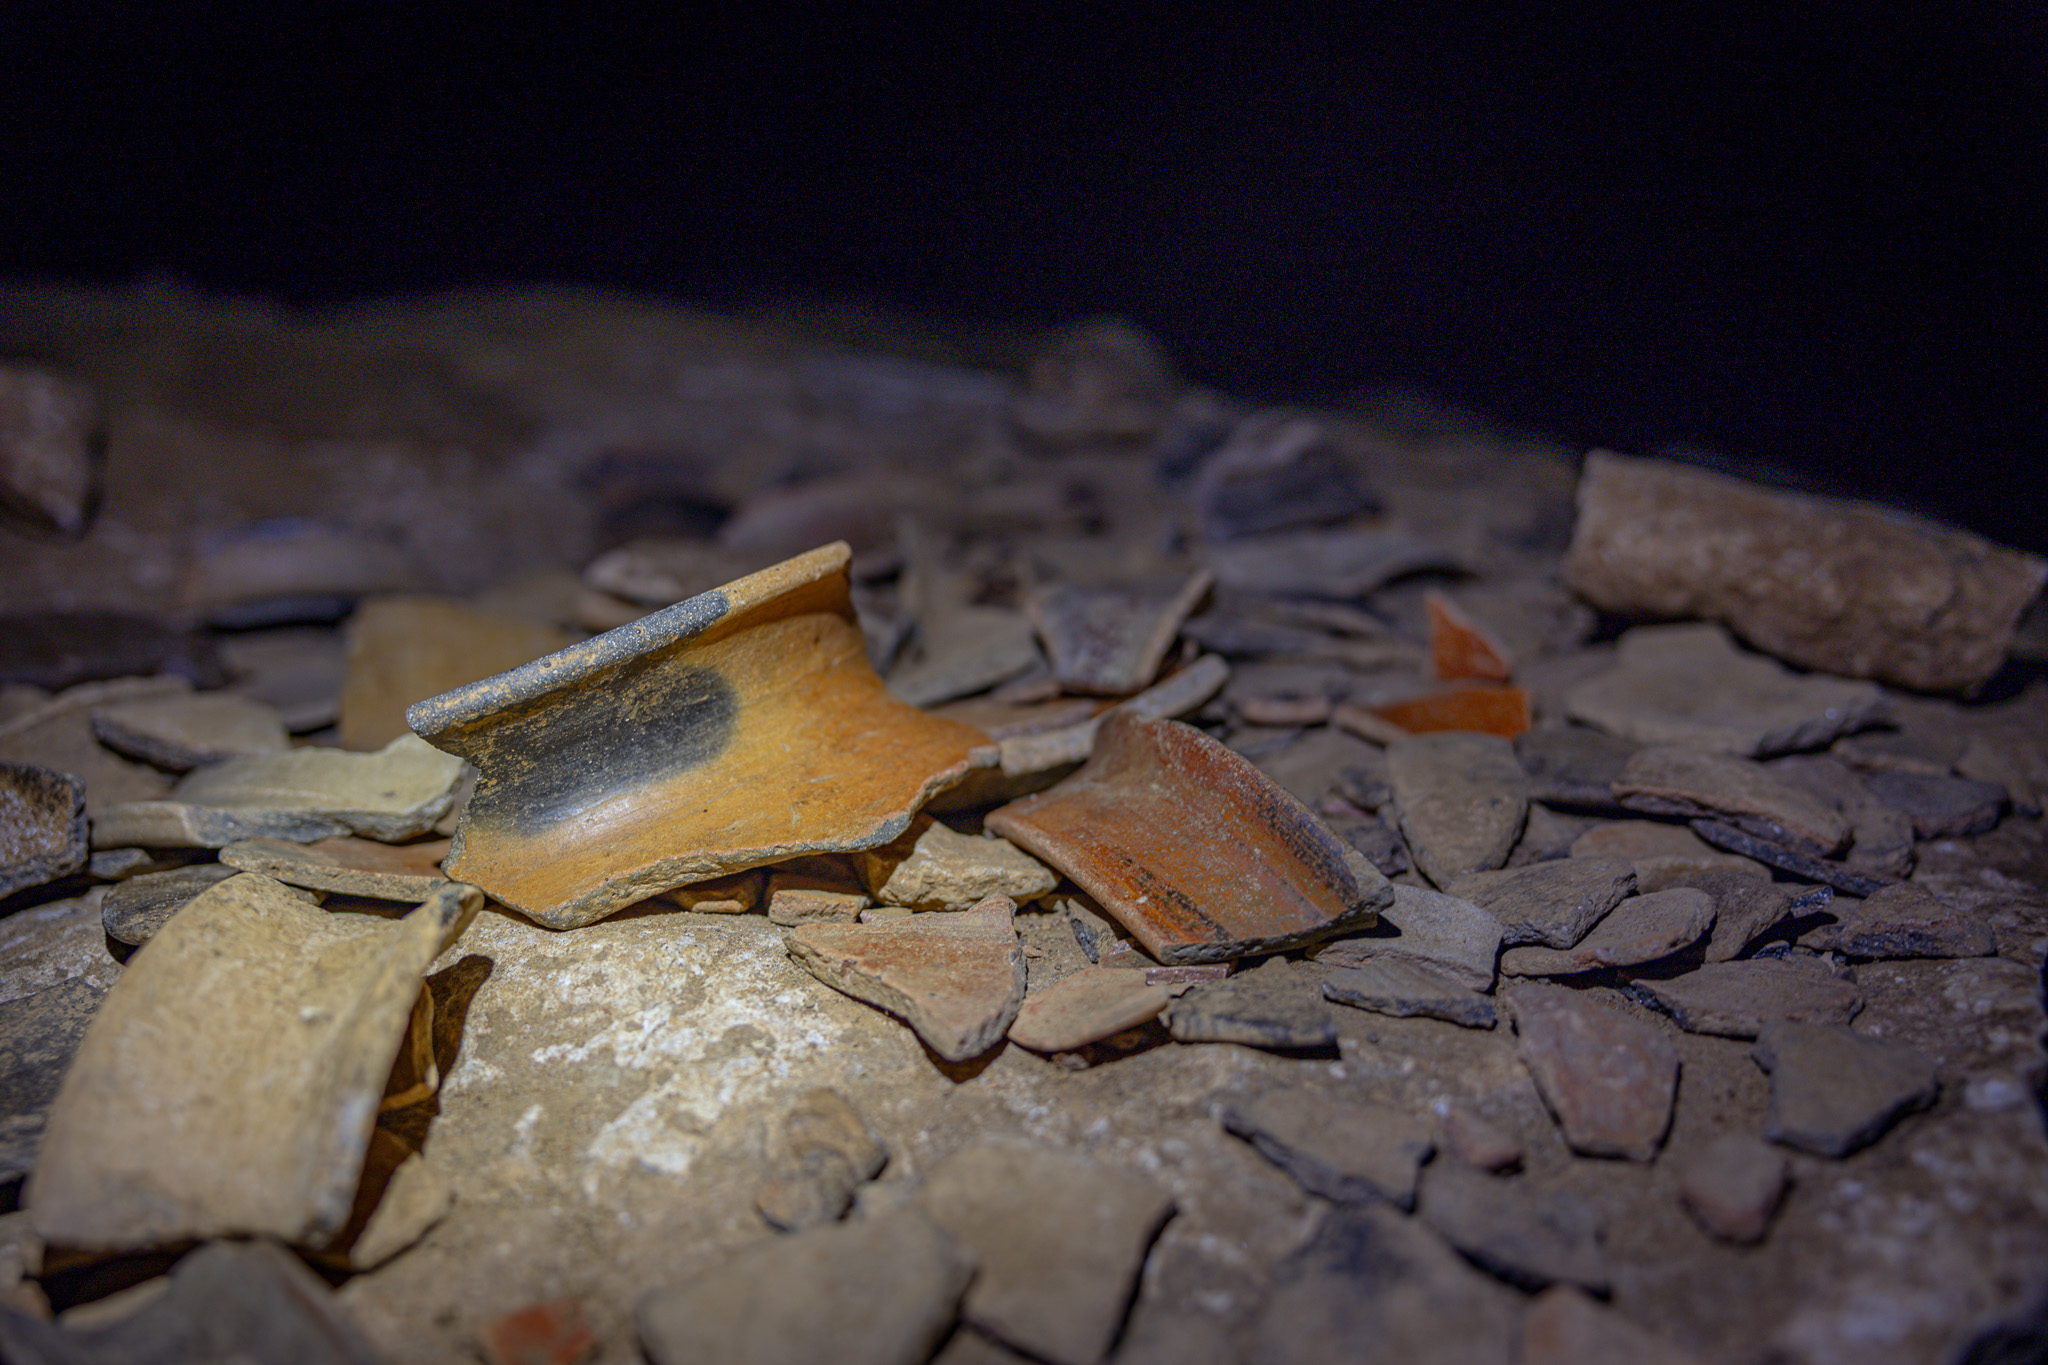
(1808, 241)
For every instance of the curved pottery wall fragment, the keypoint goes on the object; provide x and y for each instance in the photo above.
(737, 728)
(1199, 854)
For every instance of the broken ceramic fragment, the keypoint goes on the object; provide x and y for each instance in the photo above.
(1405, 988)
(957, 979)
(1278, 1004)
(1111, 641)
(1175, 695)
(1343, 1149)
(354, 867)
(738, 728)
(1739, 999)
(1462, 799)
(405, 648)
(825, 1153)
(58, 734)
(933, 867)
(1640, 929)
(1482, 708)
(1195, 851)
(39, 1034)
(133, 911)
(1833, 1091)
(229, 1084)
(185, 730)
(1667, 779)
(1609, 1077)
(42, 825)
(1087, 1007)
(1459, 647)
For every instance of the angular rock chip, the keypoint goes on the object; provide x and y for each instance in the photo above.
(42, 826)
(1786, 857)
(1435, 931)
(1111, 641)
(58, 734)
(1059, 1240)
(1690, 685)
(1833, 1091)
(1609, 1077)
(1193, 849)
(1881, 837)
(825, 1152)
(1573, 766)
(1747, 907)
(646, 758)
(39, 1034)
(1338, 564)
(48, 431)
(962, 651)
(1462, 799)
(1670, 780)
(1276, 1005)
(403, 649)
(1639, 929)
(1529, 1238)
(1087, 1007)
(1346, 1150)
(1555, 903)
(957, 979)
(877, 1291)
(353, 867)
(187, 730)
(1175, 695)
(1390, 985)
(1733, 1185)
(1740, 999)
(1373, 1286)
(1479, 708)
(1820, 583)
(1662, 855)
(133, 911)
(1904, 921)
(1941, 806)
(229, 1084)
(932, 867)
(301, 796)
(1565, 1326)
(1276, 471)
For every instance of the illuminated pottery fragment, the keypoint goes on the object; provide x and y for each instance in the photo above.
(1480, 708)
(1459, 647)
(738, 728)
(229, 1083)
(1199, 854)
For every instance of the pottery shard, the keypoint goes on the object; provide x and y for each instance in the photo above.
(1402, 989)
(1087, 1007)
(1881, 837)
(1741, 999)
(133, 911)
(402, 649)
(1662, 855)
(1817, 582)
(878, 1291)
(1566, 1326)
(1341, 563)
(1747, 907)
(1833, 1091)
(1689, 684)
(229, 1084)
(1277, 1005)
(1573, 766)
(1059, 1240)
(956, 979)
(42, 826)
(825, 1152)
(1438, 932)
(739, 728)
(58, 734)
(1193, 849)
(1555, 903)
(1904, 921)
(932, 867)
(1527, 1237)
(39, 1033)
(1669, 780)
(190, 729)
(48, 427)
(353, 867)
(1609, 1077)
(1111, 641)
(300, 795)
(1733, 1185)
(1462, 799)
(1639, 929)
(1941, 806)
(1341, 1149)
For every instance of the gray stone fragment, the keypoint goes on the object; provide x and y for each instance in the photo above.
(1337, 564)
(1462, 799)
(135, 909)
(38, 1035)
(1565, 1326)
(1941, 807)
(1439, 932)
(1275, 1005)
(1740, 999)
(1904, 921)
(59, 735)
(1638, 930)
(1404, 988)
(881, 1290)
(1374, 1288)
(1341, 1149)
(1689, 685)
(1662, 854)
(932, 867)
(1733, 1185)
(1747, 907)
(1528, 1237)
(1881, 837)
(825, 1152)
(1059, 1240)
(1608, 1076)
(42, 826)
(190, 729)
(1785, 858)
(1669, 780)
(1573, 766)
(1833, 1091)
(1279, 470)
(1555, 903)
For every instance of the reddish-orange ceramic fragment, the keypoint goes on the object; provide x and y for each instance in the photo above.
(1487, 710)
(1199, 854)
(1085, 1008)
(1459, 647)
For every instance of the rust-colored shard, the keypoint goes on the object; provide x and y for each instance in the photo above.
(1484, 709)
(1459, 647)
(1199, 854)
(738, 728)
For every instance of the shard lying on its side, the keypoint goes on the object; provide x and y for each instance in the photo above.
(741, 727)
(1199, 854)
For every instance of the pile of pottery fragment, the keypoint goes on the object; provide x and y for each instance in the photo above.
(1123, 875)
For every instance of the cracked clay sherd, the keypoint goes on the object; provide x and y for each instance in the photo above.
(741, 727)
(1191, 848)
